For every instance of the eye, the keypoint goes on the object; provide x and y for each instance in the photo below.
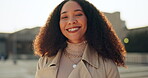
(64, 17)
(79, 14)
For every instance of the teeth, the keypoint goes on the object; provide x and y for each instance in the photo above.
(73, 29)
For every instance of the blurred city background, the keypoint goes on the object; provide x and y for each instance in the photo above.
(16, 52)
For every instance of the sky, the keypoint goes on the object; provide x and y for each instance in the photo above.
(19, 14)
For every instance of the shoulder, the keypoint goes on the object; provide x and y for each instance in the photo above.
(111, 69)
(109, 64)
(106, 63)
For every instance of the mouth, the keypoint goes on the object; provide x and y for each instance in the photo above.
(73, 29)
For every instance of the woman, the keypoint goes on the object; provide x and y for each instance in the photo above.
(77, 41)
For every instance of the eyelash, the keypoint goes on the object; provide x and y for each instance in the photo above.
(64, 17)
(79, 14)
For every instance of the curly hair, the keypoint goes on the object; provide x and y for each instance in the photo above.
(99, 35)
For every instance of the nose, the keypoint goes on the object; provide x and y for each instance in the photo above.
(72, 21)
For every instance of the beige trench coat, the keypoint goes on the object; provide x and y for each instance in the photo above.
(91, 66)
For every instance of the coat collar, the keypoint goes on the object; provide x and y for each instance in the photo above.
(56, 60)
(90, 56)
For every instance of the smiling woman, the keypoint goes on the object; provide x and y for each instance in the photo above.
(73, 22)
(76, 44)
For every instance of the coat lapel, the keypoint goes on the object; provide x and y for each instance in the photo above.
(48, 72)
(52, 67)
(80, 71)
(90, 57)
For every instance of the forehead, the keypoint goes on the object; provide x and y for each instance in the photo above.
(70, 6)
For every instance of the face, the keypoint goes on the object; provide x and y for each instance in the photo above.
(73, 22)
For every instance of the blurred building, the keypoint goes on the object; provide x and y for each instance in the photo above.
(3, 45)
(118, 24)
(18, 43)
(23, 40)
(137, 40)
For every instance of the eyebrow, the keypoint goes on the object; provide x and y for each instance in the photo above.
(74, 11)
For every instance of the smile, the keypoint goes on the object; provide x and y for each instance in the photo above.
(73, 29)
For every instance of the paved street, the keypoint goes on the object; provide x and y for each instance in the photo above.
(23, 69)
(26, 69)
(134, 71)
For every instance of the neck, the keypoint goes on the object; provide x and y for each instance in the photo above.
(76, 48)
(77, 41)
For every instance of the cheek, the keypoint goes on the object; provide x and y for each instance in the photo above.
(85, 25)
(62, 26)
(84, 21)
